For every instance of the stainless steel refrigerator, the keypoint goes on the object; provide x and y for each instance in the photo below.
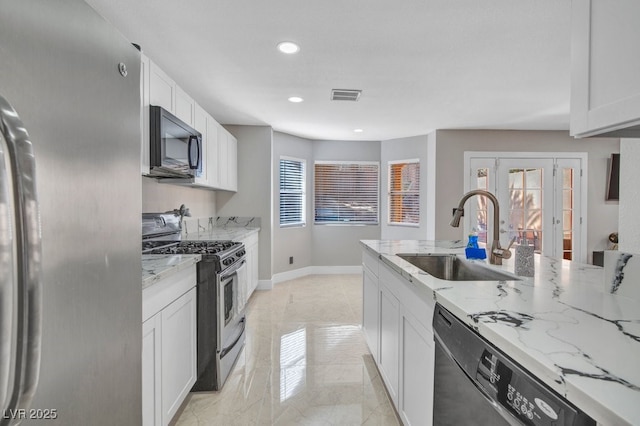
(71, 339)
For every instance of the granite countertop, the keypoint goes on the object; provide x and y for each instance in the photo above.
(560, 324)
(156, 267)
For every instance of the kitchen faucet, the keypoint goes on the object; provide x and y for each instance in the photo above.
(497, 252)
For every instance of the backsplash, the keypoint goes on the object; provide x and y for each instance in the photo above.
(191, 225)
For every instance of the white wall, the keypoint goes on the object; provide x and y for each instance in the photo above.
(629, 233)
(602, 216)
(293, 242)
(161, 197)
(254, 196)
(339, 245)
(404, 149)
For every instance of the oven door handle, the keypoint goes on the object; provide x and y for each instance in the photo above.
(226, 350)
(229, 273)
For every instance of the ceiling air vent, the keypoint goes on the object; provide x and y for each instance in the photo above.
(345, 95)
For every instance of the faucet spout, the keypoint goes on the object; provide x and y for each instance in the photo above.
(497, 252)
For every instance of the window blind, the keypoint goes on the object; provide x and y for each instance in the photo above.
(404, 192)
(346, 192)
(292, 195)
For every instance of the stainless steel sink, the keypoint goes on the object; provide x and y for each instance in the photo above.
(452, 268)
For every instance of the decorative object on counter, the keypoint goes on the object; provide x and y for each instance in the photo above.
(473, 251)
(524, 260)
(613, 239)
(622, 273)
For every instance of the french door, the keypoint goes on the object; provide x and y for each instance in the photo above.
(540, 197)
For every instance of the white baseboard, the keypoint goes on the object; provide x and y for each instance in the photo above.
(313, 270)
(308, 270)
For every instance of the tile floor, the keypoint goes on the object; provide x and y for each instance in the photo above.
(305, 362)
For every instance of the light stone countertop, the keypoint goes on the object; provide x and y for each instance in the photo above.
(156, 267)
(560, 325)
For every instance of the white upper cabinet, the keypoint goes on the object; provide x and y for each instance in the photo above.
(213, 169)
(232, 163)
(219, 147)
(200, 124)
(605, 82)
(227, 160)
(162, 89)
(185, 107)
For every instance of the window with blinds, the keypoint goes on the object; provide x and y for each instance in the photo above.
(404, 192)
(346, 192)
(292, 195)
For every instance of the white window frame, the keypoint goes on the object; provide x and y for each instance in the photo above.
(303, 192)
(377, 196)
(390, 164)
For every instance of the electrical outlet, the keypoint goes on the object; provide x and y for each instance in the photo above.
(290, 260)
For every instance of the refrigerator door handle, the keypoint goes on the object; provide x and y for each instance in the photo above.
(25, 367)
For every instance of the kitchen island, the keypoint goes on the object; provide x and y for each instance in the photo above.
(560, 324)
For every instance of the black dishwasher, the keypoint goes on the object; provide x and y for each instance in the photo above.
(477, 384)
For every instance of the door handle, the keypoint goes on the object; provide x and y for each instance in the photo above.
(28, 273)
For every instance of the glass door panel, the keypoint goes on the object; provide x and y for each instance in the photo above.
(478, 210)
(525, 194)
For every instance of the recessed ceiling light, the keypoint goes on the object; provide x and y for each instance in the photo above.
(288, 47)
(358, 130)
(295, 99)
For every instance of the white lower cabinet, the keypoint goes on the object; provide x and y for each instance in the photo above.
(169, 346)
(179, 356)
(371, 310)
(389, 360)
(416, 394)
(251, 247)
(396, 322)
(151, 355)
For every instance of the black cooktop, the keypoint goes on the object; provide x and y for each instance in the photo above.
(219, 248)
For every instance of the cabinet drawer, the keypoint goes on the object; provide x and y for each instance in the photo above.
(415, 297)
(370, 261)
(162, 293)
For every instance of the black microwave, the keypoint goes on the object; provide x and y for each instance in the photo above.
(175, 147)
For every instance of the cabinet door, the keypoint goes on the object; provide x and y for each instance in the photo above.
(232, 162)
(185, 107)
(388, 361)
(370, 310)
(417, 368)
(213, 170)
(252, 264)
(144, 115)
(200, 124)
(605, 83)
(179, 353)
(162, 89)
(223, 158)
(151, 355)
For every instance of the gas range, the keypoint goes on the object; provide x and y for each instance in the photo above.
(221, 294)
(161, 234)
(224, 253)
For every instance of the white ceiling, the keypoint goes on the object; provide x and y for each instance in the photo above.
(421, 64)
